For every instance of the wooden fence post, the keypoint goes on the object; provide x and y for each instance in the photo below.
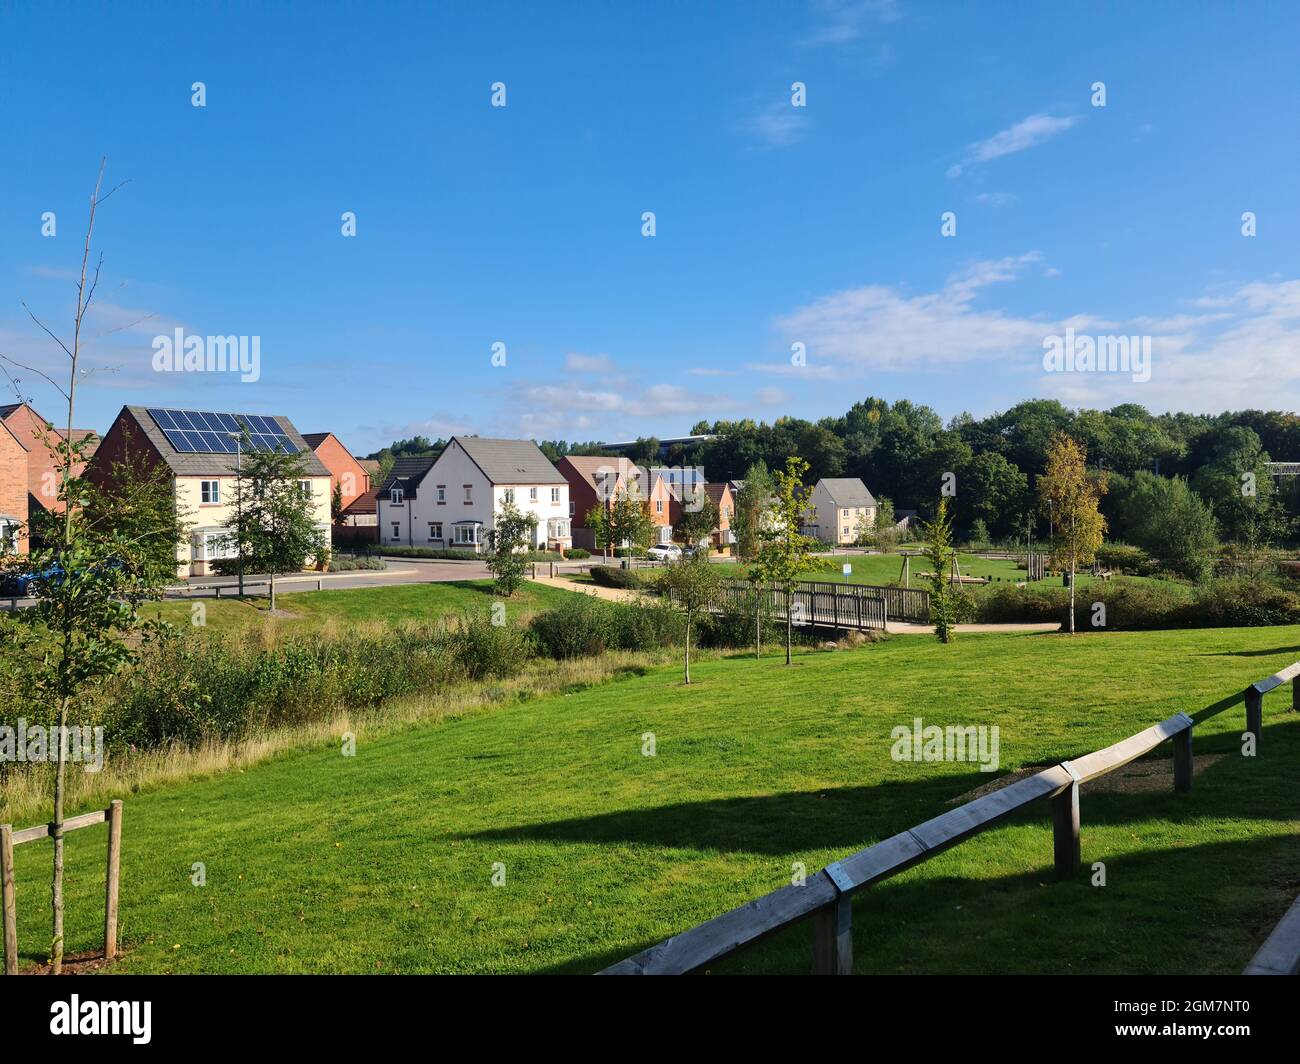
(7, 889)
(1254, 713)
(1295, 695)
(1183, 761)
(111, 878)
(833, 938)
(1065, 829)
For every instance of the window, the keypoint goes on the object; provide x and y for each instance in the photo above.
(846, 513)
(304, 486)
(469, 493)
(532, 494)
(557, 528)
(573, 508)
(435, 531)
(555, 495)
(209, 491)
(508, 496)
(659, 506)
(397, 531)
(396, 496)
(212, 545)
(845, 531)
(442, 494)
(466, 535)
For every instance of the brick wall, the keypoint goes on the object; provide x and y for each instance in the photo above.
(13, 483)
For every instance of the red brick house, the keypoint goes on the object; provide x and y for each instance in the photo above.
(594, 480)
(348, 476)
(13, 493)
(40, 438)
(721, 497)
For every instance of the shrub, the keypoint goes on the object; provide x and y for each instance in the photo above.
(1243, 603)
(579, 552)
(615, 576)
(576, 628)
(484, 649)
(733, 626)
(644, 625)
(1121, 556)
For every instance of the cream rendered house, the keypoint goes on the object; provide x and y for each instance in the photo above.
(197, 450)
(452, 502)
(841, 509)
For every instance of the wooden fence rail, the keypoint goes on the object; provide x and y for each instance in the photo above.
(8, 888)
(1280, 954)
(826, 897)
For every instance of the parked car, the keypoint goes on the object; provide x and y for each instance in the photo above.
(664, 552)
(19, 584)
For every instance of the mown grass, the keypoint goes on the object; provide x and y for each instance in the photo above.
(304, 611)
(383, 862)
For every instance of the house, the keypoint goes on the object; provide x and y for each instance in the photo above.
(198, 452)
(841, 509)
(451, 501)
(40, 438)
(348, 478)
(13, 493)
(721, 496)
(594, 481)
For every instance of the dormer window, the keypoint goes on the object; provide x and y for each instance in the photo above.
(396, 495)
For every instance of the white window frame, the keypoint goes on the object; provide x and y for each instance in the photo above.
(555, 495)
(442, 495)
(466, 535)
(212, 489)
(508, 496)
(397, 531)
(396, 495)
(532, 494)
(435, 526)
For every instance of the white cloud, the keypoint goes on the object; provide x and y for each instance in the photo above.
(770, 397)
(577, 363)
(779, 125)
(1024, 134)
(845, 21)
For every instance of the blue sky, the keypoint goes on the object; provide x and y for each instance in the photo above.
(774, 224)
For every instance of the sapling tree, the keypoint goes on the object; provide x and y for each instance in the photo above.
(512, 532)
(698, 521)
(273, 528)
(695, 584)
(101, 556)
(939, 550)
(784, 552)
(624, 519)
(1073, 494)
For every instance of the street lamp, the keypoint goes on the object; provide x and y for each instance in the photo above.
(238, 437)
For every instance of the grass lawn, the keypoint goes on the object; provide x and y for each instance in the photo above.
(312, 610)
(382, 862)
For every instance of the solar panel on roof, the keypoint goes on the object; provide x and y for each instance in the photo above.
(204, 432)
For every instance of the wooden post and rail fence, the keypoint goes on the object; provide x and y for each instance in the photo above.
(825, 899)
(8, 888)
(832, 605)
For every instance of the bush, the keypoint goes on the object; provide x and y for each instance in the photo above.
(484, 649)
(615, 576)
(342, 563)
(579, 552)
(1243, 604)
(577, 628)
(732, 627)
(1123, 557)
(644, 625)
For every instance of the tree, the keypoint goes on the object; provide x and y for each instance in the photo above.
(273, 528)
(751, 507)
(85, 622)
(694, 583)
(336, 504)
(784, 551)
(1073, 494)
(884, 533)
(979, 533)
(939, 549)
(623, 520)
(696, 525)
(512, 533)
(1164, 517)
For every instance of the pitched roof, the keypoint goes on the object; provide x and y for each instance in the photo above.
(407, 474)
(715, 492)
(315, 439)
(509, 461)
(201, 464)
(370, 465)
(847, 491)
